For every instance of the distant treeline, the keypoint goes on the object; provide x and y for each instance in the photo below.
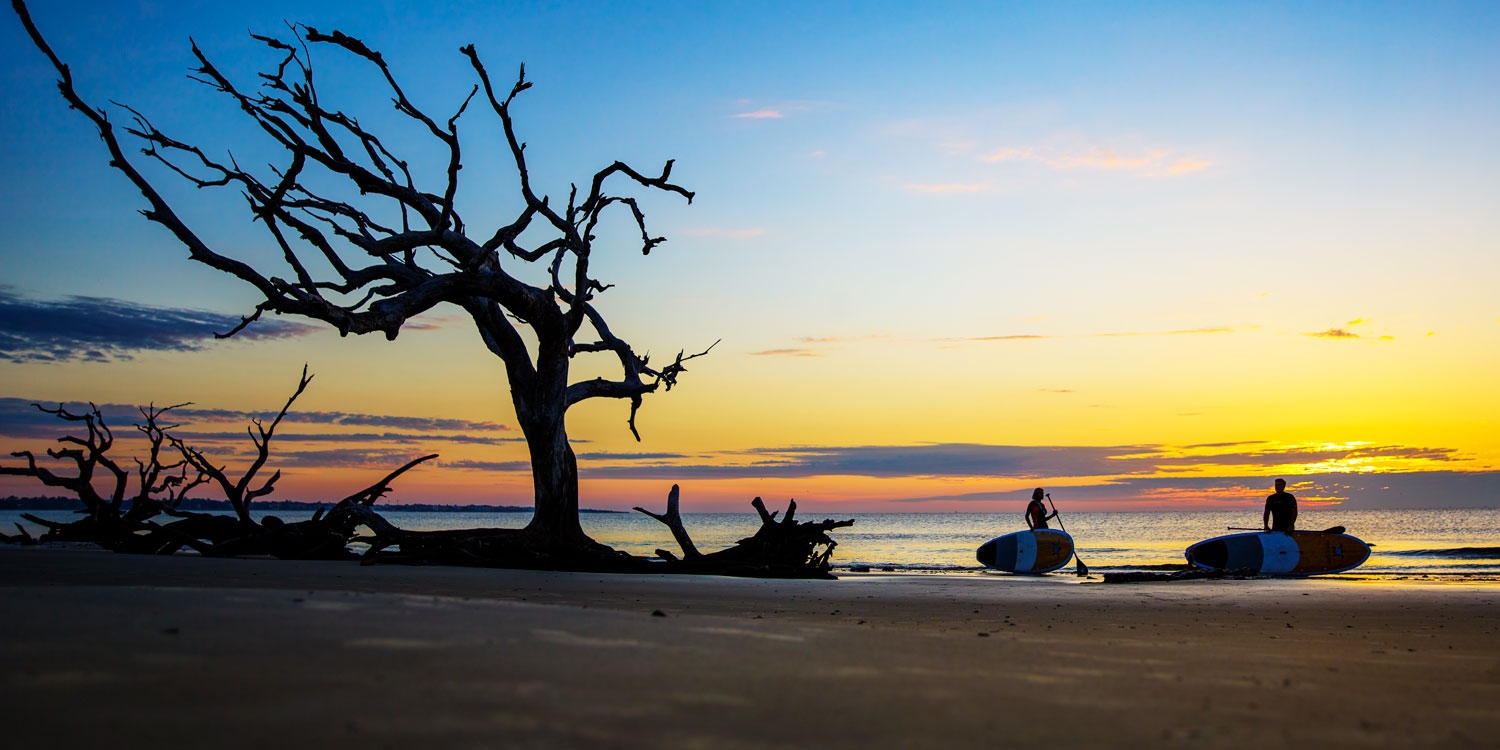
(198, 504)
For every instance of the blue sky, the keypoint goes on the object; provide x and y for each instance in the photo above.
(1017, 226)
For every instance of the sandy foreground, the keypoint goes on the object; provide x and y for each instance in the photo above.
(106, 650)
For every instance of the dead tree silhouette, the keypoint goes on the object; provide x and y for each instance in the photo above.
(125, 522)
(369, 258)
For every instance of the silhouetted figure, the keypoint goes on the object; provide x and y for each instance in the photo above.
(1281, 510)
(1036, 512)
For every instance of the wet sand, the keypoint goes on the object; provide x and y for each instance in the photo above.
(108, 650)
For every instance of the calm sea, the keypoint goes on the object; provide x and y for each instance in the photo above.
(1447, 543)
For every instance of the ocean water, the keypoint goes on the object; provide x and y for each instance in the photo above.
(1406, 543)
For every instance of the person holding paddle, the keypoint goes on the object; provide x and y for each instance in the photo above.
(1036, 512)
(1281, 510)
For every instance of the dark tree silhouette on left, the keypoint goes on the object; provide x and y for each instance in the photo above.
(365, 248)
(125, 522)
(388, 250)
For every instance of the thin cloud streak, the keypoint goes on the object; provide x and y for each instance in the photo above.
(19, 418)
(489, 465)
(842, 339)
(1333, 333)
(1107, 335)
(832, 341)
(1184, 166)
(966, 460)
(1178, 332)
(946, 188)
(790, 352)
(404, 438)
(1386, 491)
(1008, 337)
(343, 458)
(1154, 163)
(100, 329)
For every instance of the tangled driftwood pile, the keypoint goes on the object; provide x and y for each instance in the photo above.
(151, 520)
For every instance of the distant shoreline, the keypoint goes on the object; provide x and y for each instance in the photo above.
(69, 504)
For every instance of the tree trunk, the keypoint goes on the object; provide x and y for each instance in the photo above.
(554, 474)
(554, 471)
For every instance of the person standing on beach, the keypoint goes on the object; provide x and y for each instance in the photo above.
(1281, 510)
(1036, 512)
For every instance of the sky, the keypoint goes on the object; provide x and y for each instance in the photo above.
(1147, 255)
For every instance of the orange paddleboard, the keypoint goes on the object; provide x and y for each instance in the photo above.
(1278, 553)
(1029, 551)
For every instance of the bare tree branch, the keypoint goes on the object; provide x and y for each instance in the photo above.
(239, 492)
(673, 519)
(329, 208)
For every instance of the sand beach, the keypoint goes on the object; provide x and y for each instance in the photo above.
(108, 650)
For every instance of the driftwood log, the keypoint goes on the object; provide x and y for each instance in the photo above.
(779, 549)
(151, 522)
(24, 537)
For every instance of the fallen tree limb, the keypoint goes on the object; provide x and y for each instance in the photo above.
(673, 520)
(23, 538)
(779, 549)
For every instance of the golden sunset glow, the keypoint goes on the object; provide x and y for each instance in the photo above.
(936, 285)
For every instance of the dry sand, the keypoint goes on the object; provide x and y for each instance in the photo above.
(108, 650)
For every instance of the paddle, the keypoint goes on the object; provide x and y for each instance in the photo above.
(1082, 570)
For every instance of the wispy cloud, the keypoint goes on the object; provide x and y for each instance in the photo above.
(1333, 333)
(19, 418)
(747, 109)
(1010, 154)
(349, 419)
(1184, 166)
(1416, 489)
(1176, 332)
(726, 232)
(938, 460)
(1347, 333)
(817, 346)
(1229, 444)
(489, 465)
(1155, 162)
(402, 438)
(343, 458)
(788, 352)
(1006, 337)
(968, 460)
(813, 346)
(624, 456)
(843, 339)
(1104, 335)
(1104, 158)
(946, 187)
(99, 329)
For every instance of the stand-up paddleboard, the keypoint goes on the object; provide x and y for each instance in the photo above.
(1278, 553)
(1029, 551)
